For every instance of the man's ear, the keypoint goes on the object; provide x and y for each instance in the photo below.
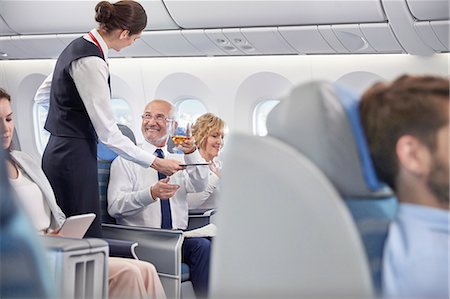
(413, 155)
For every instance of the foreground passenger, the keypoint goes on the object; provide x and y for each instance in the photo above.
(127, 278)
(407, 126)
(143, 197)
(208, 132)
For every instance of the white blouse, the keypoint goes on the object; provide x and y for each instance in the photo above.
(32, 200)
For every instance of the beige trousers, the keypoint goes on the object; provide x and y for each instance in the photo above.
(133, 279)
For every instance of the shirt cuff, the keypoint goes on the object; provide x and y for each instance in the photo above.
(193, 157)
(145, 197)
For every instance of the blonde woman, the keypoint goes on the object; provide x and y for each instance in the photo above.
(208, 132)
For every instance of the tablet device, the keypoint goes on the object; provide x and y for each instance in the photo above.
(76, 226)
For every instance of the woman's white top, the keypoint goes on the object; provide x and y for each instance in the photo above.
(32, 201)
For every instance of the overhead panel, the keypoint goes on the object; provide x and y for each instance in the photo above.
(170, 43)
(429, 37)
(138, 49)
(42, 46)
(9, 49)
(428, 10)
(223, 42)
(42, 17)
(352, 38)
(381, 38)
(240, 41)
(442, 31)
(306, 40)
(255, 13)
(199, 39)
(268, 40)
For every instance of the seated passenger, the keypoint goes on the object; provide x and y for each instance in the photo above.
(407, 127)
(208, 134)
(127, 278)
(144, 197)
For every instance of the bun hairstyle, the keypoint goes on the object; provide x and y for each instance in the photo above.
(126, 14)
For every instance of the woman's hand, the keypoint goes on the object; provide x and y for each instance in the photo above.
(187, 146)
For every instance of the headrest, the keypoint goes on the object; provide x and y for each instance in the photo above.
(104, 153)
(321, 120)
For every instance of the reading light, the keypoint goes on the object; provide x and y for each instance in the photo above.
(3, 54)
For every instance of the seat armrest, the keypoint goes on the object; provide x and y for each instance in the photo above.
(199, 218)
(202, 212)
(161, 247)
(122, 248)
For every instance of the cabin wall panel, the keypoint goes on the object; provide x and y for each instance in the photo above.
(229, 86)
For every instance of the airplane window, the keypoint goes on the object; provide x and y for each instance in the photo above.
(260, 113)
(121, 109)
(189, 110)
(122, 112)
(42, 135)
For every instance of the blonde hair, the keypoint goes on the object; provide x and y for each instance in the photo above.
(203, 127)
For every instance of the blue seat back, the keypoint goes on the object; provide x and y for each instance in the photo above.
(324, 118)
(23, 271)
(105, 156)
(372, 218)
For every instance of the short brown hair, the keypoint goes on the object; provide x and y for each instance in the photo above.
(203, 127)
(126, 14)
(412, 105)
(4, 95)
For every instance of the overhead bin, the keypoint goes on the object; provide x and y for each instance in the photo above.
(428, 10)
(190, 14)
(46, 17)
(4, 28)
(180, 28)
(432, 22)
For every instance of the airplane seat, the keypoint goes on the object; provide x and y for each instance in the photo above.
(105, 156)
(160, 247)
(300, 237)
(339, 148)
(23, 270)
(79, 266)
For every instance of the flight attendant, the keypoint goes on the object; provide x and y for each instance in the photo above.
(80, 113)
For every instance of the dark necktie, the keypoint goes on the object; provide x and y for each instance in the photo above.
(166, 216)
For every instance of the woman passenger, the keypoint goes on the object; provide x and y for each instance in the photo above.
(208, 132)
(127, 278)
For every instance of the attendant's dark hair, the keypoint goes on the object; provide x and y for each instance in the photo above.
(126, 14)
(410, 105)
(4, 95)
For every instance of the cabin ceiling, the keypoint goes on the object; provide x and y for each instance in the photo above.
(41, 29)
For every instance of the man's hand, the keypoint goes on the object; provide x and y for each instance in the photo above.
(162, 189)
(166, 166)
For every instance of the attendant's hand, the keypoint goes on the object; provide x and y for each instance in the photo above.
(187, 146)
(166, 166)
(162, 189)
